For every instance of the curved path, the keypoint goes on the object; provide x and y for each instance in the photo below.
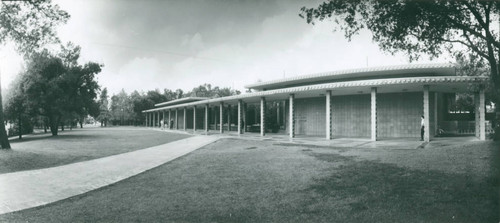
(27, 189)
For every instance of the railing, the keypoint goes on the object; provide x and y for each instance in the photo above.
(462, 127)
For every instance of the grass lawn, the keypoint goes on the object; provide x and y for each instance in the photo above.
(43, 150)
(235, 180)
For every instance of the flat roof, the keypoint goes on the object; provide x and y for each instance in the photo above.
(409, 70)
(390, 85)
(180, 101)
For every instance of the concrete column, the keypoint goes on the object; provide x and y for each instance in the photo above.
(244, 117)
(146, 119)
(436, 123)
(426, 114)
(482, 113)
(176, 118)
(154, 119)
(170, 118)
(163, 117)
(374, 114)
(291, 113)
(328, 114)
(228, 118)
(476, 113)
(239, 116)
(262, 116)
(215, 117)
(221, 117)
(184, 119)
(278, 113)
(206, 118)
(194, 119)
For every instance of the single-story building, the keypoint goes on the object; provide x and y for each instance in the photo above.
(374, 103)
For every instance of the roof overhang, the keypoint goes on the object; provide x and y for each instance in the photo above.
(412, 70)
(392, 85)
(180, 101)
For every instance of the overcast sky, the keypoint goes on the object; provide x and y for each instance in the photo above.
(182, 44)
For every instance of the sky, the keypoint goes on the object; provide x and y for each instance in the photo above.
(153, 44)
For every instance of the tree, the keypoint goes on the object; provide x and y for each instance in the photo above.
(421, 27)
(58, 92)
(206, 90)
(30, 24)
(121, 108)
(104, 114)
(16, 107)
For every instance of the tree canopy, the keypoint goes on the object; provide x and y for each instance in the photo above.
(30, 25)
(58, 90)
(415, 27)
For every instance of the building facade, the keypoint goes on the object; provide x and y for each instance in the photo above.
(374, 103)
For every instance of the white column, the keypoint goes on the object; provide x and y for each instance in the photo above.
(206, 118)
(170, 118)
(184, 119)
(262, 116)
(374, 114)
(228, 118)
(147, 119)
(426, 114)
(244, 117)
(194, 119)
(154, 119)
(328, 114)
(221, 117)
(176, 118)
(476, 114)
(278, 113)
(163, 117)
(291, 114)
(482, 113)
(215, 117)
(436, 127)
(239, 116)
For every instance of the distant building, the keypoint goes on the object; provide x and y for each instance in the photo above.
(374, 103)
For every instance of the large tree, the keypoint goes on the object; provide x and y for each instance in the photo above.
(29, 24)
(418, 27)
(57, 91)
(104, 114)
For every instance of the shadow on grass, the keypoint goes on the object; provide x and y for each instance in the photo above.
(362, 191)
(49, 136)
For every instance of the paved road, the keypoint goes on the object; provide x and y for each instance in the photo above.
(27, 189)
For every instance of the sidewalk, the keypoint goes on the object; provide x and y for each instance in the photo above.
(27, 189)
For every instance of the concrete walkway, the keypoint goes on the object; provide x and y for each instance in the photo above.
(27, 189)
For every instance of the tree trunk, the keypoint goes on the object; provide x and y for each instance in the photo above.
(20, 129)
(62, 126)
(54, 125)
(4, 140)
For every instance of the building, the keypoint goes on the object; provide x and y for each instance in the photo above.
(374, 103)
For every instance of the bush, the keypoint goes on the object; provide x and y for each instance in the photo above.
(27, 128)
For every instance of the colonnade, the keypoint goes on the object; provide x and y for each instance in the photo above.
(153, 117)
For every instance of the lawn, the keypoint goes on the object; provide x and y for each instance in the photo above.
(43, 150)
(235, 180)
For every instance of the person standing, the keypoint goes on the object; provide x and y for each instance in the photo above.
(422, 128)
(161, 124)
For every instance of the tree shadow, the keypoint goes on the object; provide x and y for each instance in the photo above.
(48, 136)
(363, 191)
